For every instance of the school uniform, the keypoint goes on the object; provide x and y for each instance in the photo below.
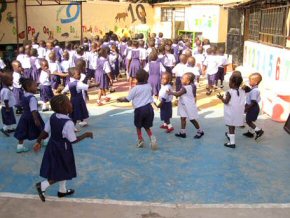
(6, 95)
(47, 53)
(178, 71)
(212, 64)
(55, 80)
(41, 51)
(127, 59)
(161, 59)
(194, 70)
(234, 110)
(26, 65)
(253, 95)
(175, 49)
(80, 111)
(169, 62)
(46, 93)
(26, 128)
(141, 97)
(2, 64)
(166, 99)
(101, 74)
(35, 68)
(122, 48)
(58, 52)
(64, 66)
(221, 67)
(155, 70)
(58, 162)
(135, 65)
(114, 62)
(199, 59)
(186, 104)
(92, 64)
(143, 55)
(17, 89)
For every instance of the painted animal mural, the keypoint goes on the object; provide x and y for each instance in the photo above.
(120, 16)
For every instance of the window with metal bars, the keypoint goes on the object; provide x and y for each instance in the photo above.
(254, 24)
(166, 14)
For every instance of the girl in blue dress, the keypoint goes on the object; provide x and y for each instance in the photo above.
(58, 163)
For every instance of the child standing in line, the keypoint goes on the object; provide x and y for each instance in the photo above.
(46, 92)
(17, 88)
(165, 104)
(141, 97)
(114, 61)
(64, 66)
(58, 162)
(252, 108)
(155, 70)
(35, 65)
(8, 102)
(30, 123)
(211, 68)
(143, 53)
(92, 59)
(191, 68)
(234, 102)
(186, 105)
(102, 75)
(221, 67)
(169, 59)
(179, 70)
(199, 59)
(127, 60)
(134, 63)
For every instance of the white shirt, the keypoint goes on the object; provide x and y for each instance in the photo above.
(7, 94)
(169, 60)
(140, 95)
(20, 58)
(163, 93)
(222, 60)
(92, 59)
(54, 67)
(212, 63)
(2, 64)
(80, 86)
(143, 54)
(148, 51)
(179, 70)
(199, 59)
(194, 70)
(68, 130)
(16, 78)
(106, 66)
(47, 52)
(32, 102)
(65, 65)
(253, 95)
(162, 68)
(37, 62)
(129, 56)
(41, 52)
(26, 62)
(44, 78)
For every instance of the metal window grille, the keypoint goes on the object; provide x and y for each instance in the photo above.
(166, 14)
(254, 24)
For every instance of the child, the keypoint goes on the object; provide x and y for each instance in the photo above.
(102, 75)
(41, 50)
(155, 70)
(186, 105)
(199, 59)
(46, 92)
(75, 87)
(25, 63)
(175, 49)
(252, 108)
(141, 97)
(92, 59)
(221, 67)
(134, 62)
(17, 88)
(65, 65)
(55, 70)
(179, 70)
(233, 107)
(8, 102)
(165, 104)
(211, 68)
(191, 68)
(35, 66)
(58, 162)
(127, 60)
(30, 123)
(114, 61)
(49, 49)
(161, 53)
(143, 53)
(122, 49)
(169, 59)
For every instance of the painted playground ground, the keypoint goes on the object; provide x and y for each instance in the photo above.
(180, 171)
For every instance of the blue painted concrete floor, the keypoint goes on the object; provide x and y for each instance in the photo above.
(181, 171)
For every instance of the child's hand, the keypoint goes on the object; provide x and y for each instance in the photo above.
(89, 135)
(220, 96)
(119, 99)
(37, 147)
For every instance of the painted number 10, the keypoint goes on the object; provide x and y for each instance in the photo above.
(140, 12)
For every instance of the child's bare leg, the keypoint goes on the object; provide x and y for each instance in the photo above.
(152, 139)
(182, 132)
(200, 132)
(140, 143)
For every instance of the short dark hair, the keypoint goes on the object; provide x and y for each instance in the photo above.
(142, 76)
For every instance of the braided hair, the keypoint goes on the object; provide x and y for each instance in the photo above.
(236, 80)
(26, 83)
(58, 104)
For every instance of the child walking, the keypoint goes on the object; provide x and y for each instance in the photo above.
(30, 123)
(234, 101)
(58, 163)
(134, 62)
(141, 97)
(186, 105)
(211, 67)
(165, 104)
(17, 88)
(8, 102)
(221, 67)
(179, 70)
(252, 108)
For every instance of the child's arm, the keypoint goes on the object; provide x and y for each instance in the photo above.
(122, 99)
(6, 102)
(246, 88)
(65, 90)
(83, 136)
(225, 100)
(181, 92)
(60, 74)
(43, 135)
(36, 119)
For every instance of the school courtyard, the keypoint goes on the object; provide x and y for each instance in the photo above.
(183, 178)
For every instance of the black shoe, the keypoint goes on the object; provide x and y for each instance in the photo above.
(259, 134)
(249, 134)
(230, 145)
(180, 135)
(226, 134)
(11, 130)
(18, 112)
(40, 193)
(199, 135)
(45, 110)
(68, 192)
(5, 132)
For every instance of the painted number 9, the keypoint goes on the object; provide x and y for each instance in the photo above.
(140, 12)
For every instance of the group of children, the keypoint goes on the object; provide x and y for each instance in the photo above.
(55, 71)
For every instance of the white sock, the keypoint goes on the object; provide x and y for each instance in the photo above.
(62, 186)
(169, 126)
(44, 106)
(44, 185)
(232, 138)
(45, 141)
(5, 128)
(20, 146)
(199, 130)
(183, 131)
(257, 129)
(251, 130)
(164, 124)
